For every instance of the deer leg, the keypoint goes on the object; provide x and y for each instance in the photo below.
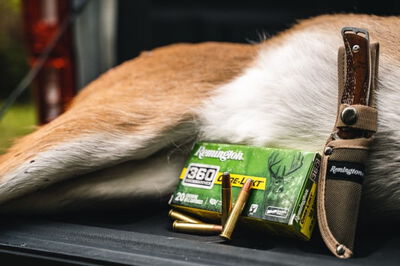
(121, 186)
(68, 148)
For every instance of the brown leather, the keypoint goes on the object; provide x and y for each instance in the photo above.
(346, 150)
(357, 69)
(374, 49)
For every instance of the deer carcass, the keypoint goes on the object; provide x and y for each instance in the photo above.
(123, 138)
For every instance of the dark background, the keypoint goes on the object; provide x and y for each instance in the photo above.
(145, 24)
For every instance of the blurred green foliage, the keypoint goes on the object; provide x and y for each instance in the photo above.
(18, 121)
(13, 55)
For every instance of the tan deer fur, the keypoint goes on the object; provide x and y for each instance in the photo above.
(117, 136)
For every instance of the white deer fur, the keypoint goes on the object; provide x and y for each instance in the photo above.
(286, 98)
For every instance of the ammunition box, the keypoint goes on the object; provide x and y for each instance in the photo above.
(282, 199)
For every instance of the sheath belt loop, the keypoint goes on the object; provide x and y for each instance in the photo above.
(342, 168)
(365, 117)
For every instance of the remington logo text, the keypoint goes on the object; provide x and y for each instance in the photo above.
(345, 170)
(218, 154)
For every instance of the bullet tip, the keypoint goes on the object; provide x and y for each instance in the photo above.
(247, 185)
(226, 180)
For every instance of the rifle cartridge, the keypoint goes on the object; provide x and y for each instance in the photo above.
(237, 210)
(183, 217)
(226, 197)
(203, 229)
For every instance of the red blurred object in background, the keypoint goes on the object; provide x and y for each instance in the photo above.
(55, 83)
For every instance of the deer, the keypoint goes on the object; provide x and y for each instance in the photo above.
(125, 137)
(279, 174)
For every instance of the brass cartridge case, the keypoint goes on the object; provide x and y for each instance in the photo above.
(226, 197)
(237, 210)
(183, 217)
(201, 229)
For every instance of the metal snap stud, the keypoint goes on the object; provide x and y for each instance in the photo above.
(349, 115)
(340, 250)
(328, 150)
(356, 48)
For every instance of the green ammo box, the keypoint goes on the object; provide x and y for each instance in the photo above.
(282, 198)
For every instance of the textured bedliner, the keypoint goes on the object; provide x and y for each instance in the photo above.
(120, 238)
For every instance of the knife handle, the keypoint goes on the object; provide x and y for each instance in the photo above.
(357, 78)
